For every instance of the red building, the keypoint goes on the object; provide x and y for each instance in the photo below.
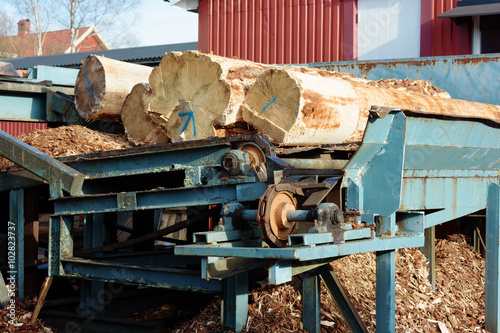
(24, 44)
(307, 31)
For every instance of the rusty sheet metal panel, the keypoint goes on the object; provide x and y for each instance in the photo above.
(16, 128)
(472, 78)
(278, 31)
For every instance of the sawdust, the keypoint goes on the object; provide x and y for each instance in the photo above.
(408, 85)
(413, 86)
(70, 140)
(457, 304)
(22, 320)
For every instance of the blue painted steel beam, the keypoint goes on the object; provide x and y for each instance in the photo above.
(378, 165)
(16, 228)
(386, 291)
(303, 253)
(311, 304)
(203, 195)
(234, 303)
(160, 277)
(56, 75)
(154, 159)
(21, 101)
(93, 236)
(54, 246)
(492, 302)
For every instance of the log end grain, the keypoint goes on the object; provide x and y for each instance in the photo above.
(272, 104)
(103, 84)
(189, 97)
(140, 128)
(90, 87)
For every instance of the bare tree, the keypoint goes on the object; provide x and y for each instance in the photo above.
(38, 12)
(104, 14)
(6, 29)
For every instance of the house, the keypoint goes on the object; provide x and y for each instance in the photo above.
(24, 44)
(308, 31)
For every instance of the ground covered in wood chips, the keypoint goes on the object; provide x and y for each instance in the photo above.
(457, 304)
(22, 320)
(70, 140)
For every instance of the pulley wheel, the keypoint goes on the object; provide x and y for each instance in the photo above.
(272, 216)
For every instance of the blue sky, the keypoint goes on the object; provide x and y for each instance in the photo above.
(162, 24)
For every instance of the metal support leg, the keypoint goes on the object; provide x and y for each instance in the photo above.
(492, 307)
(60, 242)
(93, 236)
(16, 209)
(31, 227)
(386, 291)
(234, 305)
(311, 296)
(54, 246)
(342, 300)
(429, 251)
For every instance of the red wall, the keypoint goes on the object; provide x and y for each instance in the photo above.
(306, 31)
(279, 31)
(16, 128)
(442, 36)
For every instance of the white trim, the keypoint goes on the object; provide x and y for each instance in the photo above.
(86, 34)
(185, 4)
(101, 38)
(476, 35)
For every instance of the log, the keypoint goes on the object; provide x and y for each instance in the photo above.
(140, 128)
(103, 84)
(193, 93)
(295, 108)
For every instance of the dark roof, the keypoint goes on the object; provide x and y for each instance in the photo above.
(147, 55)
(472, 10)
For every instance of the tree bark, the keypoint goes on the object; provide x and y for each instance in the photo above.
(140, 128)
(103, 84)
(296, 108)
(194, 92)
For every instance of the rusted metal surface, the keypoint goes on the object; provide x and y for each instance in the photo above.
(282, 31)
(469, 77)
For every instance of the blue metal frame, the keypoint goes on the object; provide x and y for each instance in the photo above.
(234, 303)
(16, 216)
(418, 161)
(386, 291)
(492, 302)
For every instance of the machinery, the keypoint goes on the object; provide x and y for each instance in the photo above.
(252, 205)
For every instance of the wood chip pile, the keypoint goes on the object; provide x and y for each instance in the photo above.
(23, 320)
(457, 304)
(70, 140)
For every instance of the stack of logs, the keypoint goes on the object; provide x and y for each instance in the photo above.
(193, 96)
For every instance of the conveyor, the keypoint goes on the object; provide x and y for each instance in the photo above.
(289, 213)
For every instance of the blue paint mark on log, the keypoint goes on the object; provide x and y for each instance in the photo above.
(87, 79)
(190, 116)
(269, 104)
